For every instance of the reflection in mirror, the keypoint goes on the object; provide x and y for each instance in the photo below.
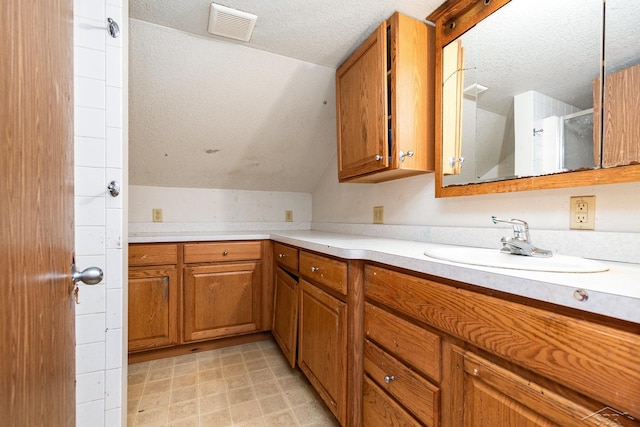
(526, 97)
(622, 84)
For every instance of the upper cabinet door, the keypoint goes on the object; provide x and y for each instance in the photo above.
(361, 86)
(385, 104)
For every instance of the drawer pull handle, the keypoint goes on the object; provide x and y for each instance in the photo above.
(314, 269)
(281, 256)
(389, 378)
(225, 253)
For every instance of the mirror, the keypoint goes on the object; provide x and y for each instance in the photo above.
(519, 94)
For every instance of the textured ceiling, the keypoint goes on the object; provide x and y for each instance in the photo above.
(322, 32)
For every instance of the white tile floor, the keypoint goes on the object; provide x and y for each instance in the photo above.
(245, 385)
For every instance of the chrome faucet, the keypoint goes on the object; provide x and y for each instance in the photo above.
(520, 243)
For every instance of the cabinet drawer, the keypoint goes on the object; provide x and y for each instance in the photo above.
(286, 255)
(418, 395)
(410, 343)
(221, 251)
(379, 410)
(325, 271)
(152, 254)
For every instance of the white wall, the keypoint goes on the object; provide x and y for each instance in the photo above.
(100, 220)
(198, 205)
(411, 201)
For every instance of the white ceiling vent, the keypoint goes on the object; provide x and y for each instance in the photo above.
(231, 23)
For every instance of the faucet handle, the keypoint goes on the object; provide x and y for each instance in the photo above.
(520, 227)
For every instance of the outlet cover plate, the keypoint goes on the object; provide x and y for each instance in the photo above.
(288, 216)
(582, 211)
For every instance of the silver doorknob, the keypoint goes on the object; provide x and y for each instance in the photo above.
(89, 276)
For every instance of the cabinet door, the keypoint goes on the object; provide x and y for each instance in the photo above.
(496, 397)
(153, 308)
(285, 314)
(221, 300)
(361, 94)
(322, 346)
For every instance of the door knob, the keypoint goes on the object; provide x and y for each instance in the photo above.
(89, 276)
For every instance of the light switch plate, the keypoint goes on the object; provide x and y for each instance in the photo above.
(378, 214)
(156, 215)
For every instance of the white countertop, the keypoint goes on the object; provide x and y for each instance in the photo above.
(614, 293)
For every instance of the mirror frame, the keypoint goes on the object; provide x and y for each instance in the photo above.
(452, 19)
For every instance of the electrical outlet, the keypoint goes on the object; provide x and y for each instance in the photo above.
(582, 213)
(156, 215)
(378, 214)
(288, 216)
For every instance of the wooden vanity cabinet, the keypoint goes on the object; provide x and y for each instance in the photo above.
(502, 362)
(385, 104)
(285, 301)
(222, 289)
(153, 296)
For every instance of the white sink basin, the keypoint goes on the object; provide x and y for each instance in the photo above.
(495, 258)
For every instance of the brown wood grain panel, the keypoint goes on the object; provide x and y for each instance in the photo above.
(361, 113)
(621, 111)
(221, 300)
(325, 271)
(416, 394)
(412, 92)
(221, 251)
(412, 344)
(153, 254)
(381, 411)
(526, 397)
(37, 312)
(153, 308)
(322, 346)
(579, 354)
(286, 255)
(285, 315)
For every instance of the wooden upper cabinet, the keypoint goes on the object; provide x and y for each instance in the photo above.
(385, 104)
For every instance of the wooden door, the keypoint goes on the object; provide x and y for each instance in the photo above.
(153, 307)
(221, 300)
(322, 346)
(361, 95)
(37, 342)
(285, 314)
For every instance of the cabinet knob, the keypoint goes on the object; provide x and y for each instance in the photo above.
(379, 157)
(225, 253)
(281, 255)
(402, 155)
(314, 269)
(389, 378)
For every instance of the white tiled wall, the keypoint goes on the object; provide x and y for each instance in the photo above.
(100, 237)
